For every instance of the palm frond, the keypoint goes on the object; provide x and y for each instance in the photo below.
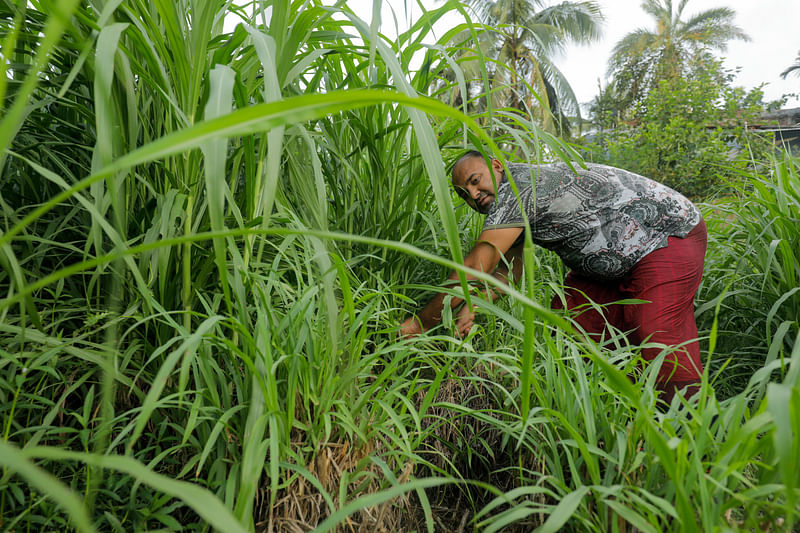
(578, 21)
(631, 47)
(795, 68)
(658, 10)
(713, 28)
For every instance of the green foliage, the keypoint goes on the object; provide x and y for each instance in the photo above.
(521, 39)
(672, 112)
(753, 272)
(207, 239)
(689, 134)
(642, 59)
(606, 109)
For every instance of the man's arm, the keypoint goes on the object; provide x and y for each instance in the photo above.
(513, 258)
(485, 255)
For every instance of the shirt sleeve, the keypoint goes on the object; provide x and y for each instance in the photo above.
(505, 211)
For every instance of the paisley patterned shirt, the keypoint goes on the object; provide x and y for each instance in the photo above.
(600, 220)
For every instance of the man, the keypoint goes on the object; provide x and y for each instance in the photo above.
(622, 235)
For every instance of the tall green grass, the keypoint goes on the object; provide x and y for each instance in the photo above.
(752, 274)
(207, 241)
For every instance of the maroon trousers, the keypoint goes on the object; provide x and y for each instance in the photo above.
(668, 279)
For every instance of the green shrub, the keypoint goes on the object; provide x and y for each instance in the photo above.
(689, 134)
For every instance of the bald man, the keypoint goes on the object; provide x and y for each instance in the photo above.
(623, 236)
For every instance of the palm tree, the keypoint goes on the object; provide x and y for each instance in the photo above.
(795, 68)
(528, 34)
(644, 57)
(465, 50)
(605, 108)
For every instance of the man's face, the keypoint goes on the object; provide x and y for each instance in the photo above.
(473, 182)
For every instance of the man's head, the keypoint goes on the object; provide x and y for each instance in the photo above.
(472, 179)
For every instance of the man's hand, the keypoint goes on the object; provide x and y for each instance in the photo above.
(464, 321)
(484, 256)
(411, 327)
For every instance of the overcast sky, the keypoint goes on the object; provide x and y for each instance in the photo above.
(773, 26)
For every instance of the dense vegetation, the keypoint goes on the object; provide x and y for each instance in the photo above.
(644, 58)
(208, 239)
(692, 132)
(670, 109)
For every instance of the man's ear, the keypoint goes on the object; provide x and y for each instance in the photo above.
(497, 167)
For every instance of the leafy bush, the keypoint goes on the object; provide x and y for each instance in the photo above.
(688, 133)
